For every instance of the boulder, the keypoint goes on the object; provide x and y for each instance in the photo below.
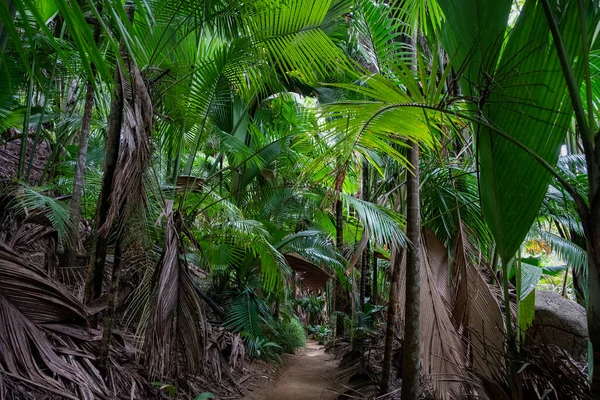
(560, 322)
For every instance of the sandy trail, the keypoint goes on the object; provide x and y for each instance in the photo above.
(304, 376)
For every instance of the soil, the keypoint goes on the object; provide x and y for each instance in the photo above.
(305, 375)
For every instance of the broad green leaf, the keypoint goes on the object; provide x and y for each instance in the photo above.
(476, 44)
(524, 95)
(527, 311)
(530, 276)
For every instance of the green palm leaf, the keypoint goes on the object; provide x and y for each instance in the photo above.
(522, 92)
(29, 200)
(385, 226)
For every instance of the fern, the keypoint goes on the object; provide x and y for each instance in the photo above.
(28, 200)
(246, 314)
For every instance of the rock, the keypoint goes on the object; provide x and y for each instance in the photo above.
(560, 322)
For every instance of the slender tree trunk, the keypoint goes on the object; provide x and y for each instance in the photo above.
(364, 271)
(109, 318)
(410, 364)
(25, 133)
(95, 272)
(592, 231)
(392, 316)
(375, 291)
(78, 180)
(364, 276)
(340, 294)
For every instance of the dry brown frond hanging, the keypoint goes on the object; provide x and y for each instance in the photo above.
(442, 350)
(475, 309)
(460, 319)
(128, 192)
(176, 325)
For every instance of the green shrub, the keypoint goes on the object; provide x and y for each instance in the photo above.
(319, 332)
(290, 335)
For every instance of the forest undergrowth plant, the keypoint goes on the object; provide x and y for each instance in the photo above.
(290, 334)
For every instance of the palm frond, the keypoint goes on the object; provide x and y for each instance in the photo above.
(571, 253)
(293, 37)
(30, 301)
(176, 316)
(128, 194)
(442, 351)
(386, 226)
(28, 200)
(517, 81)
(313, 246)
(246, 314)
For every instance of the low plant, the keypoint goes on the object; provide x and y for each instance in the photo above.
(263, 349)
(363, 323)
(313, 306)
(289, 334)
(319, 332)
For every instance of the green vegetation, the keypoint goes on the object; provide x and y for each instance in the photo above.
(290, 335)
(185, 184)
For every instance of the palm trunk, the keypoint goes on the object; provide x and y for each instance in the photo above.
(364, 271)
(109, 318)
(95, 272)
(364, 277)
(410, 364)
(78, 180)
(339, 292)
(592, 231)
(589, 215)
(375, 291)
(25, 133)
(392, 316)
(590, 219)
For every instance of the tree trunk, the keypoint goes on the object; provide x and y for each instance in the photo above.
(410, 349)
(364, 277)
(392, 316)
(68, 259)
(95, 272)
(375, 291)
(109, 318)
(340, 294)
(592, 231)
(364, 271)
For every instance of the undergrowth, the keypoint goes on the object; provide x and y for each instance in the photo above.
(289, 334)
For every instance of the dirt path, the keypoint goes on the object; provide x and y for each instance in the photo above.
(305, 375)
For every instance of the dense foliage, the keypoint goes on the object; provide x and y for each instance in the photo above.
(184, 180)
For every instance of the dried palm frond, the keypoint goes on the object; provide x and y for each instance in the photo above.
(176, 323)
(128, 192)
(544, 372)
(30, 300)
(475, 308)
(442, 349)
(37, 239)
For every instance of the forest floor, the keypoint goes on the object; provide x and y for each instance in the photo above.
(304, 375)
